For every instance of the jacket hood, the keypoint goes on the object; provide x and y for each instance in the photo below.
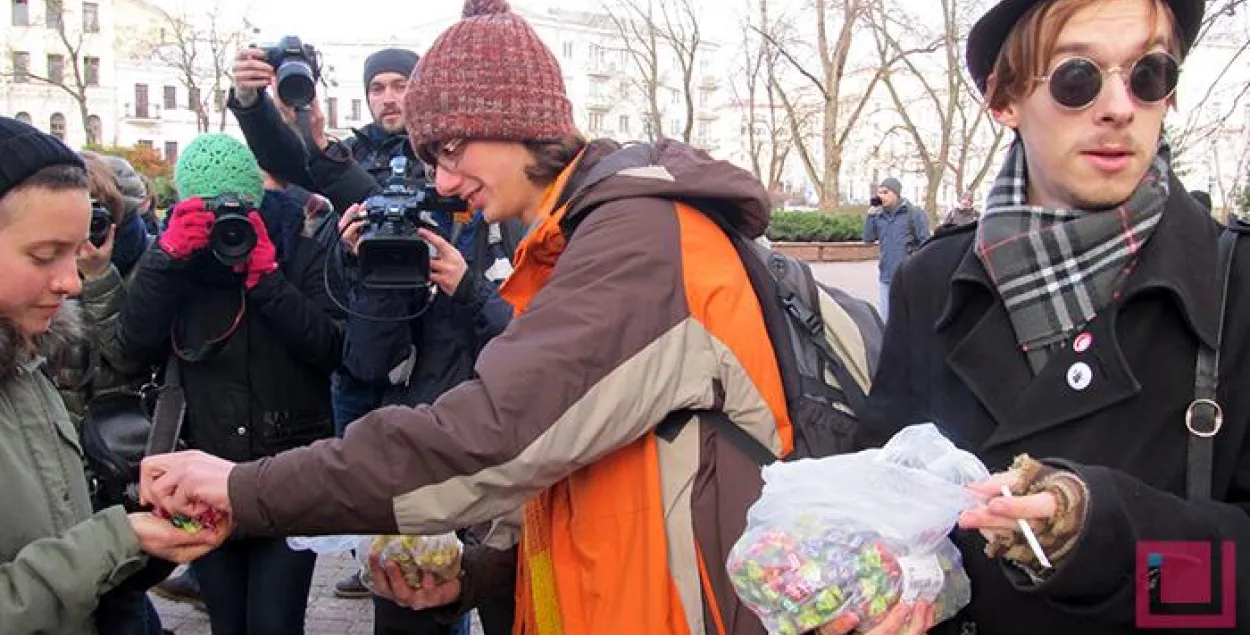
(668, 170)
(53, 345)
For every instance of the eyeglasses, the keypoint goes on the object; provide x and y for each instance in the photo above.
(447, 156)
(1076, 82)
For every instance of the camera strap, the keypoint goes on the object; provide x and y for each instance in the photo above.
(303, 118)
(214, 344)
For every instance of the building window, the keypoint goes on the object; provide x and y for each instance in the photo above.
(141, 101)
(23, 117)
(623, 124)
(171, 151)
(705, 98)
(332, 111)
(355, 110)
(56, 69)
(95, 130)
(55, 12)
(145, 143)
(90, 17)
(56, 126)
(171, 98)
(705, 133)
(91, 70)
(21, 12)
(219, 99)
(596, 121)
(21, 67)
(193, 98)
(568, 50)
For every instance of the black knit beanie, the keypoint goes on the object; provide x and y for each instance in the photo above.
(25, 151)
(400, 61)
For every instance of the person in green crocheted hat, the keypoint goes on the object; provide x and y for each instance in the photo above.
(216, 164)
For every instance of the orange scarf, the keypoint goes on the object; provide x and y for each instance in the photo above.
(538, 608)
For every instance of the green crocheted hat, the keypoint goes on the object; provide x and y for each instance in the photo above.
(215, 164)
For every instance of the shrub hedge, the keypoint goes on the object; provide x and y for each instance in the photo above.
(845, 225)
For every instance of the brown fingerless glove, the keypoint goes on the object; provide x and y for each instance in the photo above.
(1058, 534)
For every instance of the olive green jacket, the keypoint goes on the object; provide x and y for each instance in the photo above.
(56, 557)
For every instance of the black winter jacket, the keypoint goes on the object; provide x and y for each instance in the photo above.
(444, 342)
(950, 357)
(266, 388)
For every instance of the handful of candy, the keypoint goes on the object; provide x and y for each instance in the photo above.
(436, 555)
(207, 520)
(799, 581)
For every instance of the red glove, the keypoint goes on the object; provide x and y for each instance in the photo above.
(264, 258)
(187, 233)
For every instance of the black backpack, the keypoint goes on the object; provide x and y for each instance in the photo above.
(827, 344)
(826, 341)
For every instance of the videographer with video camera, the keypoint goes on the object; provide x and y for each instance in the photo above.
(423, 276)
(234, 290)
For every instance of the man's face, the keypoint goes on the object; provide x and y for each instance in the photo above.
(888, 197)
(41, 232)
(386, 99)
(490, 176)
(1093, 158)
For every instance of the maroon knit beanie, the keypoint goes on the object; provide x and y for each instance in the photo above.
(488, 76)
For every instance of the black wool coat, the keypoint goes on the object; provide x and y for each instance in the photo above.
(950, 357)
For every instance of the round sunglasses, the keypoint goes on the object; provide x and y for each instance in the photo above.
(1076, 82)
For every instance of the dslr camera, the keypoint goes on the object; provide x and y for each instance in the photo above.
(875, 201)
(101, 221)
(232, 237)
(391, 255)
(298, 68)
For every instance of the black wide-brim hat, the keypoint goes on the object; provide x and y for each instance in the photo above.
(988, 34)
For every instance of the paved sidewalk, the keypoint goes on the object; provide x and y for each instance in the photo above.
(328, 615)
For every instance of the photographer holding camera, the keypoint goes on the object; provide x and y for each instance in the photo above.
(346, 171)
(234, 290)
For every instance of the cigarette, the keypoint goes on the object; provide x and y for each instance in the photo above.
(1029, 536)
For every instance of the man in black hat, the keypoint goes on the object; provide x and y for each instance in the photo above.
(344, 171)
(1078, 340)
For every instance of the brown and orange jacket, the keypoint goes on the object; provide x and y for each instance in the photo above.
(646, 309)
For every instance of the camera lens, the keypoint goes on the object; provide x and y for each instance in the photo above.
(296, 85)
(232, 239)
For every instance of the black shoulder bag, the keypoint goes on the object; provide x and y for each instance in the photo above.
(121, 428)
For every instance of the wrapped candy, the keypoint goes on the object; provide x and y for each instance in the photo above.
(813, 554)
(436, 555)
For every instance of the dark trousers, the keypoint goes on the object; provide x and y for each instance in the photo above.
(351, 399)
(127, 612)
(390, 618)
(256, 587)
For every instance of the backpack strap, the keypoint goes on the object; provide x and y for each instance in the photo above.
(1205, 417)
(734, 434)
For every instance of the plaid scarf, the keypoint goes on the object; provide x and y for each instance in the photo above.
(1057, 268)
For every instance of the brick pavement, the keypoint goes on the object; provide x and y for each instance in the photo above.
(328, 615)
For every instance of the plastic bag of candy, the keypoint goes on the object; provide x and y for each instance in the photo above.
(437, 555)
(856, 534)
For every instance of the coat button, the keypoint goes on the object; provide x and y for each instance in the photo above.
(242, 431)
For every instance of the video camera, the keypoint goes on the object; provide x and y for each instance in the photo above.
(232, 237)
(101, 221)
(390, 254)
(298, 67)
